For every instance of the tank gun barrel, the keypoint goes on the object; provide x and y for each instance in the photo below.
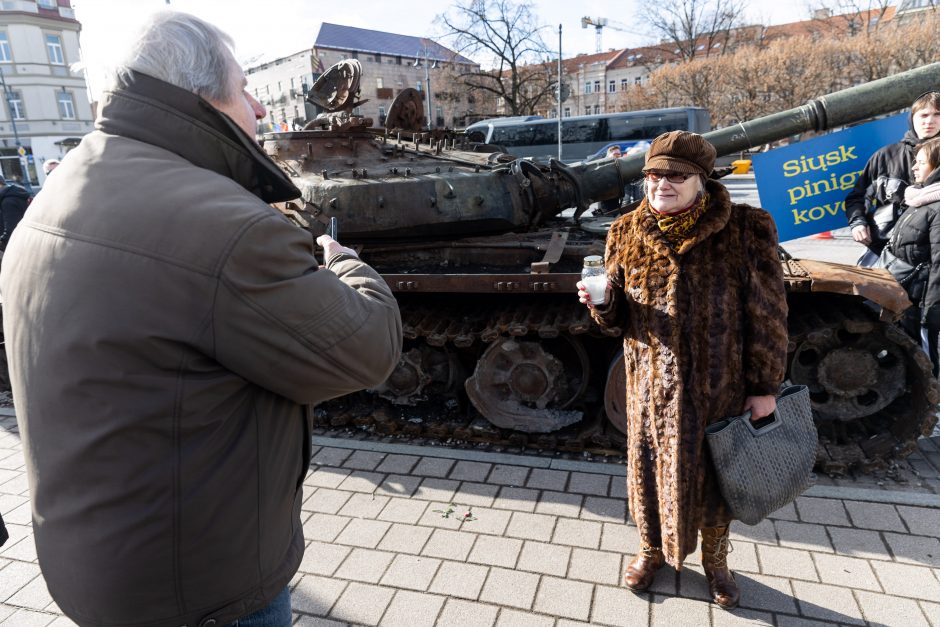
(854, 104)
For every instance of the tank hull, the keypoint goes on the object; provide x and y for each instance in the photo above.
(483, 252)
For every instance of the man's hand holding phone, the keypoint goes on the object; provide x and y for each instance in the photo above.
(331, 248)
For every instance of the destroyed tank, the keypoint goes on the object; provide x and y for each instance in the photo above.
(483, 251)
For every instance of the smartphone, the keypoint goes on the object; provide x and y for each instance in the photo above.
(332, 229)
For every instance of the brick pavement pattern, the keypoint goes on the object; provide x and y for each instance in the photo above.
(421, 539)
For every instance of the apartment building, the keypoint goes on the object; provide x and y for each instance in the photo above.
(390, 63)
(281, 86)
(45, 110)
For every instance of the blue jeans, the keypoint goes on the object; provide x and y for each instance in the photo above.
(276, 614)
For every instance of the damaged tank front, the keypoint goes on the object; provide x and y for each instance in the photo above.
(483, 252)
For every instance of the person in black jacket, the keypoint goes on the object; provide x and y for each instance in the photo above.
(13, 202)
(887, 174)
(916, 241)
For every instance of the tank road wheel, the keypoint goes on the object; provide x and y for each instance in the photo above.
(871, 387)
(421, 372)
(527, 385)
(615, 394)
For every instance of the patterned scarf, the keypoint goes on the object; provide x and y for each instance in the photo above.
(917, 196)
(678, 227)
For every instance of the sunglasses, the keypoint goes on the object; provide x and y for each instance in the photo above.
(672, 177)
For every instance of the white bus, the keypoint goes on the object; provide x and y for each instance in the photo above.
(584, 135)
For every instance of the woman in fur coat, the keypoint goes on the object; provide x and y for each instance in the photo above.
(915, 240)
(695, 283)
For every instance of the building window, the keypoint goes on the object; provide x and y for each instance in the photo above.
(6, 55)
(597, 86)
(587, 110)
(597, 109)
(567, 112)
(623, 84)
(587, 87)
(54, 48)
(612, 87)
(47, 4)
(638, 80)
(15, 104)
(418, 85)
(66, 106)
(379, 83)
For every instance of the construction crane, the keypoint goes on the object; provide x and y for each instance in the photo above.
(599, 24)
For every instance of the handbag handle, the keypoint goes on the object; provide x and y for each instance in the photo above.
(746, 416)
(746, 419)
(759, 431)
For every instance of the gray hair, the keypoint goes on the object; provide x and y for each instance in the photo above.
(185, 51)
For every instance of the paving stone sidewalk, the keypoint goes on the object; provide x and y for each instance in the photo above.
(402, 535)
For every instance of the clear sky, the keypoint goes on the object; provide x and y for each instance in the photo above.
(276, 28)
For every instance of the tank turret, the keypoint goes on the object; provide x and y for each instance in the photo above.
(483, 251)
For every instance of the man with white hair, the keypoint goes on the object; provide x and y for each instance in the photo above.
(168, 333)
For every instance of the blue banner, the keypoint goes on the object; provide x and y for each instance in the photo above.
(804, 185)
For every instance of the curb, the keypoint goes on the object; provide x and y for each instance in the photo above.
(598, 468)
(892, 497)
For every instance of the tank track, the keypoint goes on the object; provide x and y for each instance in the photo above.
(851, 340)
(846, 443)
(447, 416)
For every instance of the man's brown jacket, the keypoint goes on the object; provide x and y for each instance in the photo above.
(167, 332)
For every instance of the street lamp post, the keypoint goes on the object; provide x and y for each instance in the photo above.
(559, 92)
(7, 94)
(427, 80)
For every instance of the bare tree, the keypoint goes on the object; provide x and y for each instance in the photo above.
(755, 80)
(505, 37)
(690, 29)
(917, 42)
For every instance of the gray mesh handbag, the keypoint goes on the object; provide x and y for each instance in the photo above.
(762, 469)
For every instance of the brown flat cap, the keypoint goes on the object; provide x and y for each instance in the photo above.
(681, 151)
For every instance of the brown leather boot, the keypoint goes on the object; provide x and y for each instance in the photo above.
(721, 584)
(641, 571)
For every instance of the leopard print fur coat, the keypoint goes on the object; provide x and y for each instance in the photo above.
(704, 327)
